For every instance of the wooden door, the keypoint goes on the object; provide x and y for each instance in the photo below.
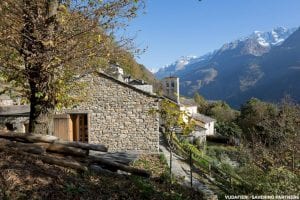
(63, 128)
(83, 135)
(80, 127)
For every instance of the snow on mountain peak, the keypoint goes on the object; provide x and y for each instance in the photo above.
(267, 39)
(181, 62)
(271, 38)
(257, 44)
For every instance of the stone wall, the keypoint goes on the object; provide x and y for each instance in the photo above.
(120, 115)
(6, 102)
(13, 123)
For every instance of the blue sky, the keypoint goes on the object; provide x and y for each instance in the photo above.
(170, 29)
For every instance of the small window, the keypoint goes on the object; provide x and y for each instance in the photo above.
(172, 84)
(167, 84)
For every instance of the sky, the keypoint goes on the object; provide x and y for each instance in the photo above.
(169, 29)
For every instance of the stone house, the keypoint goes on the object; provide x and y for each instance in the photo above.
(113, 113)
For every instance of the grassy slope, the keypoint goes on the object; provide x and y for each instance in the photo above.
(28, 178)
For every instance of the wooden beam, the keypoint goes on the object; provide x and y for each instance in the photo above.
(114, 165)
(36, 138)
(66, 150)
(42, 151)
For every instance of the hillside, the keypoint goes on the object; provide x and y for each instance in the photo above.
(245, 68)
(281, 69)
(29, 178)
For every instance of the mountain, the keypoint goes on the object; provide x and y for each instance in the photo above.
(180, 65)
(243, 68)
(281, 73)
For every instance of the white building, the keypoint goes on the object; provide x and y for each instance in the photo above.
(205, 122)
(188, 106)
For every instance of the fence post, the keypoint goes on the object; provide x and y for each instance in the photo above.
(191, 170)
(170, 146)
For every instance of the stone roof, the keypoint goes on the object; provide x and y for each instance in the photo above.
(187, 102)
(16, 110)
(127, 85)
(137, 82)
(202, 118)
(171, 77)
(199, 128)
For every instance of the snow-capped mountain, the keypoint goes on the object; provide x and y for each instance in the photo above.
(257, 44)
(180, 65)
(274, 37)
(250, 66)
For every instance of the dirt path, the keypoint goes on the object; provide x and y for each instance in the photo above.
(181, 170)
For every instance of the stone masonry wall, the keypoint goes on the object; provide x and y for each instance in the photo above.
(17, 123)
(120, 116)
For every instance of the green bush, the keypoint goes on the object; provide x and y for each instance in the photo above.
(274, 181)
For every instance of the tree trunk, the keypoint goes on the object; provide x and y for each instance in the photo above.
(40, 121)
(36, 57)
(41, 111)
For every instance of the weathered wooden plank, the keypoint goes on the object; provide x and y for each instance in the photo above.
(86, 146)
(119, 157)
(35, 138)
(43, 150)
(59, 148)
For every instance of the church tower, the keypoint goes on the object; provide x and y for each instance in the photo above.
(171, 88)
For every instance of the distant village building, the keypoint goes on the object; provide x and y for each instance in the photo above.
(205, 122)
(188, 106)
(204, 125)
(114, 113)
